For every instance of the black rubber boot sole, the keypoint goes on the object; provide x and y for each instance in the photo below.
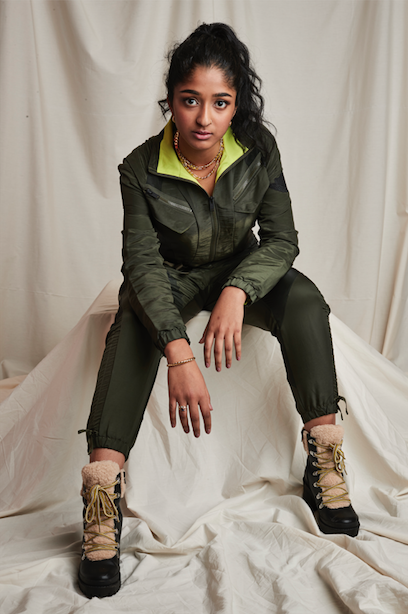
(105, 590)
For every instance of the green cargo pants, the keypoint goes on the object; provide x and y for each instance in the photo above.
(294, 312)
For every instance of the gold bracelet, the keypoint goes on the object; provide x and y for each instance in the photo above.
(181, 362)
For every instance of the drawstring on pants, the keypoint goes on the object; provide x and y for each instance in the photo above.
(340, 398)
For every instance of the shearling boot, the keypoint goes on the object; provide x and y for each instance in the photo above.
(103, 486)
(324, 488)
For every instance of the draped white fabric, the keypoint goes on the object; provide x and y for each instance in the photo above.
(215, 524)
(79, 81)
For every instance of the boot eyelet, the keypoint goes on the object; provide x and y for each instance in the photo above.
(315, 473)
(316, 485)
(321, 506)
(312, 453)
(318, 496)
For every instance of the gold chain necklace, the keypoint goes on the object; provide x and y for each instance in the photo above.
(189, 166)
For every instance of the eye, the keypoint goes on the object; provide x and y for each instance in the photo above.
(221, 104)
(190, 102)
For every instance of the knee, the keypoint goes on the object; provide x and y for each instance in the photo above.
(307, 297)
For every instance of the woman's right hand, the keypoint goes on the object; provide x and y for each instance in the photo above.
(187, 388)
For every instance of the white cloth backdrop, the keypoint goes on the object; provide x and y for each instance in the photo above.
(79, 81)
(214, 525)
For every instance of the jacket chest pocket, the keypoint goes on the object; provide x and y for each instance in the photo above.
(249, 191)
(170, 212)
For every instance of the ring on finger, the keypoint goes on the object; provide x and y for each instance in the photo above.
(182, 407)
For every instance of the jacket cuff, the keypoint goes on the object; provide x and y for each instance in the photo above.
(243, 285)
(165, 336)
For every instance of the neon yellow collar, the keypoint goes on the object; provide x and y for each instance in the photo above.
(169, 164)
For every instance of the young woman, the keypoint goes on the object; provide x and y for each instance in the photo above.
(191, 196)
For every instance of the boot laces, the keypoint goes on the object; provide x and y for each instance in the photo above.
(100, 509)
(331, 460)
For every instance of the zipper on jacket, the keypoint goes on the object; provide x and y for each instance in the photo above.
(167, 201)
(215, 225)
(213, 210)
(152, 194)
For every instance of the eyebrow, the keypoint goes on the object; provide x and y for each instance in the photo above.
(195, 93)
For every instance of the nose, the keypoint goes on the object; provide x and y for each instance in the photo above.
(204, 116)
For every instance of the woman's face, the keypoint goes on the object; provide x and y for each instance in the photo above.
(203, 107)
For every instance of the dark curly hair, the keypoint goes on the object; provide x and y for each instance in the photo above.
(217, 45)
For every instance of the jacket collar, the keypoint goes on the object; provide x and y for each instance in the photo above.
(166, 162)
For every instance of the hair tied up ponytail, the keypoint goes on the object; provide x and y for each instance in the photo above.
(217, 45)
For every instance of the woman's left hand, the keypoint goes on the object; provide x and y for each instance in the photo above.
(224, 327)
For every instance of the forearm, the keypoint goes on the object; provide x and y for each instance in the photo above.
(178, 350)
(257, 274)
(147, 283)
(153, 303)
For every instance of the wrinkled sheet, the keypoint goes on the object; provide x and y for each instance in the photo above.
(215, 524)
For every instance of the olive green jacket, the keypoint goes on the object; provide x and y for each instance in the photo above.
(168, 218)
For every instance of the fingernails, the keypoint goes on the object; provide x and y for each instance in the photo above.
(229, 365)
(207, 364)
(218, 369)
(207, 430)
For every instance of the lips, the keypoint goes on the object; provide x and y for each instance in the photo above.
(202, 135)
